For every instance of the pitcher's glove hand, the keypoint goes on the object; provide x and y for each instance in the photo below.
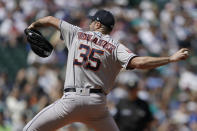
(38, 43)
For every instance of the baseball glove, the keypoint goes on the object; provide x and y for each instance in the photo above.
(38, 43)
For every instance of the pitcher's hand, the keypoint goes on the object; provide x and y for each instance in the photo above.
(182, 54)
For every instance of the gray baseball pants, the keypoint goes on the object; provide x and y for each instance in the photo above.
(89, 109)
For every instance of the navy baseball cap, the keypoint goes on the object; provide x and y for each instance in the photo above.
(105, 17)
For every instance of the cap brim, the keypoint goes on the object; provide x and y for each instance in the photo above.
(91, 17)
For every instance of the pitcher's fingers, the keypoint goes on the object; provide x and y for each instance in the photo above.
(184, 49)
(186, 52)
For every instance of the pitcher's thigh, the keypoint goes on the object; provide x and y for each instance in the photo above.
(49, 119)
(105, 124)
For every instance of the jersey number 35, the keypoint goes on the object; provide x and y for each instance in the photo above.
(87, 58)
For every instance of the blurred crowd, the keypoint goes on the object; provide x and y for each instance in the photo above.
(147, 27)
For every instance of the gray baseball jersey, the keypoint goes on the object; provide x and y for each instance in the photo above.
(94, 59)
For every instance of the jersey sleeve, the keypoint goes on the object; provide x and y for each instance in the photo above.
(68, 32)
(124, 55)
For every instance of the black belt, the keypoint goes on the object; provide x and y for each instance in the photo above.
(91, 90)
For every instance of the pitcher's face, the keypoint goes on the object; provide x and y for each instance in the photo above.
(91, 26)
(95, 25)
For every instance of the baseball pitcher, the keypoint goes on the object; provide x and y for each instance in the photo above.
(94, 60)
